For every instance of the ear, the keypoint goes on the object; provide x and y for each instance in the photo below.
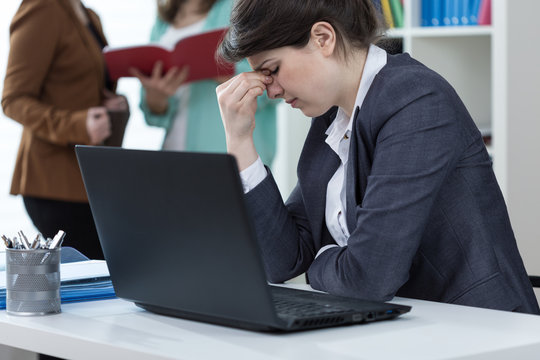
(323, 37)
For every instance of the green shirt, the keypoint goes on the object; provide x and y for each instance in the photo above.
(205, 131)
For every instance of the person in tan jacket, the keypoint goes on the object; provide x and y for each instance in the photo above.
(56, 87)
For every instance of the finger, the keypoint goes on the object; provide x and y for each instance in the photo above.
(108, 94)
(250, 96)
(243, 87)
(157, 70)
(114, 102)
(104, 124)
(239, 85)
(170, 75)
(174, 82)
(122, 103)
(251, 75)
(97, 112)
(139, 75)
(182, 76)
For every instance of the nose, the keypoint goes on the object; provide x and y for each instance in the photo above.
(274, 90)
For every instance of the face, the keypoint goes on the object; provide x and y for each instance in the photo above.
(302, 77)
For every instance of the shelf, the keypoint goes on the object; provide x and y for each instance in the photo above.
(396, 33)
(451, 31)
(440, 31)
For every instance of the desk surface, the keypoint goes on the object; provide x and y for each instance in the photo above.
(117, 329)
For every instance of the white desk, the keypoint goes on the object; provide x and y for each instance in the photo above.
(116, 329)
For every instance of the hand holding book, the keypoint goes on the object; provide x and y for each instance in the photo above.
(160, 86)
(196, 52)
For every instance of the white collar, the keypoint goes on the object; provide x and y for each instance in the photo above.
(342, 124)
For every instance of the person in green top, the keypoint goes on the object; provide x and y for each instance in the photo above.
(190, 112)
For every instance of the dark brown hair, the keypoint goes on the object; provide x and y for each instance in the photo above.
(167, 9)
(259, 25)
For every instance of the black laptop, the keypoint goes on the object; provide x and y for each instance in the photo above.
(178, 241)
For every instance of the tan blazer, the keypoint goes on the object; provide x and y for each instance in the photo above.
(55, 73)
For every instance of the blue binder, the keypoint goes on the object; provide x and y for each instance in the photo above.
(436, 12)
(447, 11)
(426, 13)
(474, 8)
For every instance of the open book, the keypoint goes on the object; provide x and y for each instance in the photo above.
(196, 51)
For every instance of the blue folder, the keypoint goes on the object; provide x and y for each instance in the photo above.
(86, 289)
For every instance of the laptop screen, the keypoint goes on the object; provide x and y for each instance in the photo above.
(174, 230)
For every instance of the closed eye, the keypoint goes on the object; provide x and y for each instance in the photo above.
(275, 71)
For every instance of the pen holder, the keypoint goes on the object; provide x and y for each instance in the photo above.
(33, 281)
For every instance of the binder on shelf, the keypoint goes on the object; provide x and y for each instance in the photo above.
(80, 281)
(455, 12)
(465, 12)
(484, 14)
(474, 10)
(425, 19)
(387, 13)
(397, 12)
(447, 10)
(436, 12)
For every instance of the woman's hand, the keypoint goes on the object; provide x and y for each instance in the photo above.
(98, 125)
(114, 102)
(237, 100)
(160, 87)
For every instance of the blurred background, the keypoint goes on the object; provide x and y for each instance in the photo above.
(125, 22)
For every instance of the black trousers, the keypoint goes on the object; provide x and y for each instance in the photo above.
(75, 219)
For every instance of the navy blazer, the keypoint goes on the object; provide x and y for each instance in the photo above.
(426, 216)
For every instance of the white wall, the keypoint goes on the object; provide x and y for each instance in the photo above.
(520, 59)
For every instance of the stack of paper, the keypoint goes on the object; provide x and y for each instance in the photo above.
(80, 281)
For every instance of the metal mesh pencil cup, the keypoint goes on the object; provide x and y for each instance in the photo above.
(33, 281)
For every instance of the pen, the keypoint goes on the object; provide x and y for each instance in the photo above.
(24, 240)
(42, 242)
(48, 243)
(35, 243)
(58, 238)
(7, 241)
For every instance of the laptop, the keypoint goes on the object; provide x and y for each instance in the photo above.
(178, 241)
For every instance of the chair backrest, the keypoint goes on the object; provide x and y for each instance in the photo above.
(69, 254)
(535, 281)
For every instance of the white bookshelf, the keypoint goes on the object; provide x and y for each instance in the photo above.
(461, 54)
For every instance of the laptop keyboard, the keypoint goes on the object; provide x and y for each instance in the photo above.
(293, 308)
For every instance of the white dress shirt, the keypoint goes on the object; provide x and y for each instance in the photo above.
(338, 138)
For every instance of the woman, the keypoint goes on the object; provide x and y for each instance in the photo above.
(189, 112)
(56, 87)
(396, 193)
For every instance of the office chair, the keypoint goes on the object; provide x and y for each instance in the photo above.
(69, 254)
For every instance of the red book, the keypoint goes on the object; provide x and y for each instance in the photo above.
(197, 52)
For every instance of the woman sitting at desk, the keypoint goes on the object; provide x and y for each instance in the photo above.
(396, 194)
